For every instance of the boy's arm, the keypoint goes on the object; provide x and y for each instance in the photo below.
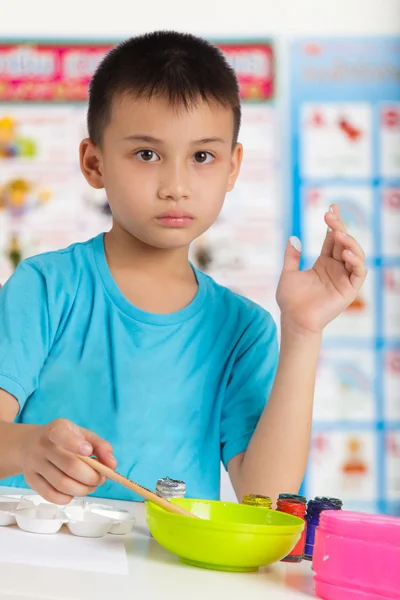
(44, 454)
(276, 458)
(11, 436)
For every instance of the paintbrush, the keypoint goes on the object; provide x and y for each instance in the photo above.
(135, 487)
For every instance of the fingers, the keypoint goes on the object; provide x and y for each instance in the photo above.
(67, 435)
(343, 247)
(349, 243)
(59, 465)
(335, 223)
(292, 255)
(62, 483)
(329, 243)
(101, 448)
(48, 492)
(337, 238)
(333, 218)
(353, 257)
(77, 440)
(74, 468)
(358, 270)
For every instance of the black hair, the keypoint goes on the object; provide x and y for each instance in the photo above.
(180, 67)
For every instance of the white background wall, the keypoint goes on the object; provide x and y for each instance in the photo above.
(114, 19)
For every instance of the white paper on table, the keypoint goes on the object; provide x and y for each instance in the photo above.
(63, 551)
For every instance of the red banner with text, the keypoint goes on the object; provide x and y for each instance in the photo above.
(45, 72)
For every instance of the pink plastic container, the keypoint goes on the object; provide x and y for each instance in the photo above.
(357, 557)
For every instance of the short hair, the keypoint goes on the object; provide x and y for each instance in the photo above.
(180, 67)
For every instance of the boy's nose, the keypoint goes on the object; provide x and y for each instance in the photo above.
(174, 184)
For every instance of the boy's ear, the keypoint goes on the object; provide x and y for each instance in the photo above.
(236, 161)
(90, 160)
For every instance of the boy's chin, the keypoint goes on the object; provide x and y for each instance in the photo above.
(162, 245)
(165, 239)
(168, 242)
(171, 239)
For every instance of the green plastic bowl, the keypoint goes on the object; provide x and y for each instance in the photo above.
(227, 537)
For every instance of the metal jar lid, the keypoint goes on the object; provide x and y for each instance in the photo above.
(170, 487)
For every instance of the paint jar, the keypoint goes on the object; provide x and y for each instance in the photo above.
(257, 500)
(170, 488)
(293, 504)
(292, 497)
(335, 501)
(314, 509)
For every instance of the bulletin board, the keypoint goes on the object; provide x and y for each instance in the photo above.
(46, 204)
(345, 149)
(344, 127)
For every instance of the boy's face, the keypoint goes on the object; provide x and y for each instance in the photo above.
(165, 170)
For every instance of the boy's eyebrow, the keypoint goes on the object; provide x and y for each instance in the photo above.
(143, 138)
(152, 140)
(210, 140)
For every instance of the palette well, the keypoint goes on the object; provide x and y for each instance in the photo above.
(33, 514)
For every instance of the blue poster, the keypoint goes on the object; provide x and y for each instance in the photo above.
(345, 145)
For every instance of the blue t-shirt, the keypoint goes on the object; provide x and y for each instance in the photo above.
(173, 393)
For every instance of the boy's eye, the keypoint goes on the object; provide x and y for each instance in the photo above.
(147, 156)
(203, 157)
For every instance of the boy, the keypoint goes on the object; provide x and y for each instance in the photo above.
(119, 346)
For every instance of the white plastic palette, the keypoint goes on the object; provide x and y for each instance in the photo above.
(86, 519)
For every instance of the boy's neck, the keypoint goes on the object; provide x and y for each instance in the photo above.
(152, 279)
(125, 252)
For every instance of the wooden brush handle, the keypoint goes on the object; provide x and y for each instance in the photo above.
(135, 487)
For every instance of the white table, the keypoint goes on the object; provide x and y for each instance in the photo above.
(153, 573)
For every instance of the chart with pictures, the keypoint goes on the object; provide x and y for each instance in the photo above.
(46, 204)
(345, 124)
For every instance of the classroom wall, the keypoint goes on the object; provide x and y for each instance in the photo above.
(210, 17)
(220, 18)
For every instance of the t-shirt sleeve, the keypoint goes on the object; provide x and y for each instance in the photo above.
(249, 385)
(24, 331)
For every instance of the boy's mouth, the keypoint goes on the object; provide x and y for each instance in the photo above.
(175, 218)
